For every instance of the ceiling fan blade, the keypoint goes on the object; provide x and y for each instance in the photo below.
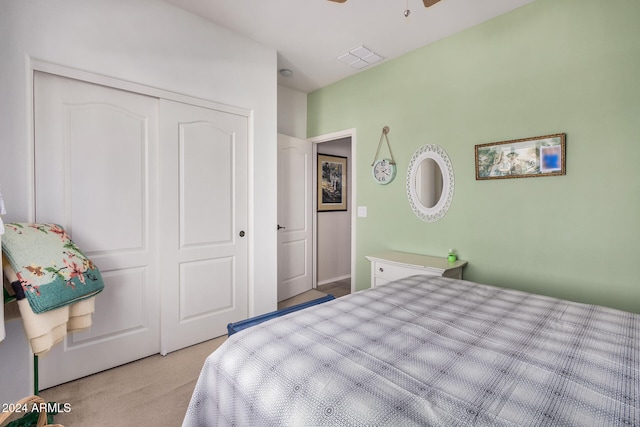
(338, 1)
(428, 3)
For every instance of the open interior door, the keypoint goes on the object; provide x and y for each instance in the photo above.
(295, 216)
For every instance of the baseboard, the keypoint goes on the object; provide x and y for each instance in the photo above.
(335, 279)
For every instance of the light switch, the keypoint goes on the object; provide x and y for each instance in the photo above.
(362, 211)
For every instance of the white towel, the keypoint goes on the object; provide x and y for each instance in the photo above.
(44, 330)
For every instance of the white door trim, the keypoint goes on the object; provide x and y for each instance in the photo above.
(347, 133)
(90, 77)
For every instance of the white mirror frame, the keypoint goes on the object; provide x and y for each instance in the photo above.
(437, 153)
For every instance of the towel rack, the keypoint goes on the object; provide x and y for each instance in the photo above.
(30, 418)
(36, 389)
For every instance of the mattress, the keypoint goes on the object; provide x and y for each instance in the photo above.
(428, 351)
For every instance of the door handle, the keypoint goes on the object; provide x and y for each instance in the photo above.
(242, 233)
(280, 226)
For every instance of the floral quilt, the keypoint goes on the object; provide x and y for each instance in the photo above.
(52, 271)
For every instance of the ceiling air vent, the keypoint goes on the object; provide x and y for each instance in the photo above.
(360, 57)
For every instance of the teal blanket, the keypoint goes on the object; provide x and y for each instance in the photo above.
(52, 270)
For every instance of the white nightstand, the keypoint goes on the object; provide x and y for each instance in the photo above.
(389, 266)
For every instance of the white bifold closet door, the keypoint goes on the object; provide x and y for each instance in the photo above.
(155, 193)
(96, 174)
(204, 250)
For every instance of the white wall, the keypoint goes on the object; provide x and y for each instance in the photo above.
(292, 112)
(155, 44)
(334, 228)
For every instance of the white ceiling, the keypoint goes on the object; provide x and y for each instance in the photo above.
(309, 35)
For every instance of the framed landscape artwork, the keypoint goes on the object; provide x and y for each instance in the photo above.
(332, 179)
(522, 158)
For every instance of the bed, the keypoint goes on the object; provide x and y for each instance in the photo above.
(428, 351)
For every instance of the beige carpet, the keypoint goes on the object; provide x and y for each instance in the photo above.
(299, 299)
(154, 391)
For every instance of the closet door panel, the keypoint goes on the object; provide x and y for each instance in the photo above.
(107, 149)
(118, 310)
(95, 174)
(204, 159)
(206, 184)
(197, 297)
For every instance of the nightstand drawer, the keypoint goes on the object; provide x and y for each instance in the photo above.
(390, 266)
(390, 272)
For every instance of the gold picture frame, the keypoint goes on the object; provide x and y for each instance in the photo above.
(522, 158)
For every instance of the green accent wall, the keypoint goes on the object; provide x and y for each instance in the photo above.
(552, 66)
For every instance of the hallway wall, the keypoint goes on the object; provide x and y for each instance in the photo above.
(334, 228)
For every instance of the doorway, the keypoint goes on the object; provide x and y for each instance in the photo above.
(292, 269)
(333, 228)
(339, 267)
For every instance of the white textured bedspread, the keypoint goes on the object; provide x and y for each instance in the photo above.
(428, 351)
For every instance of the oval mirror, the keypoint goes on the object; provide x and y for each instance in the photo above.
(430, 182)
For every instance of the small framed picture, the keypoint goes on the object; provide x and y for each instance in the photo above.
(332, 183)
(522, 158)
